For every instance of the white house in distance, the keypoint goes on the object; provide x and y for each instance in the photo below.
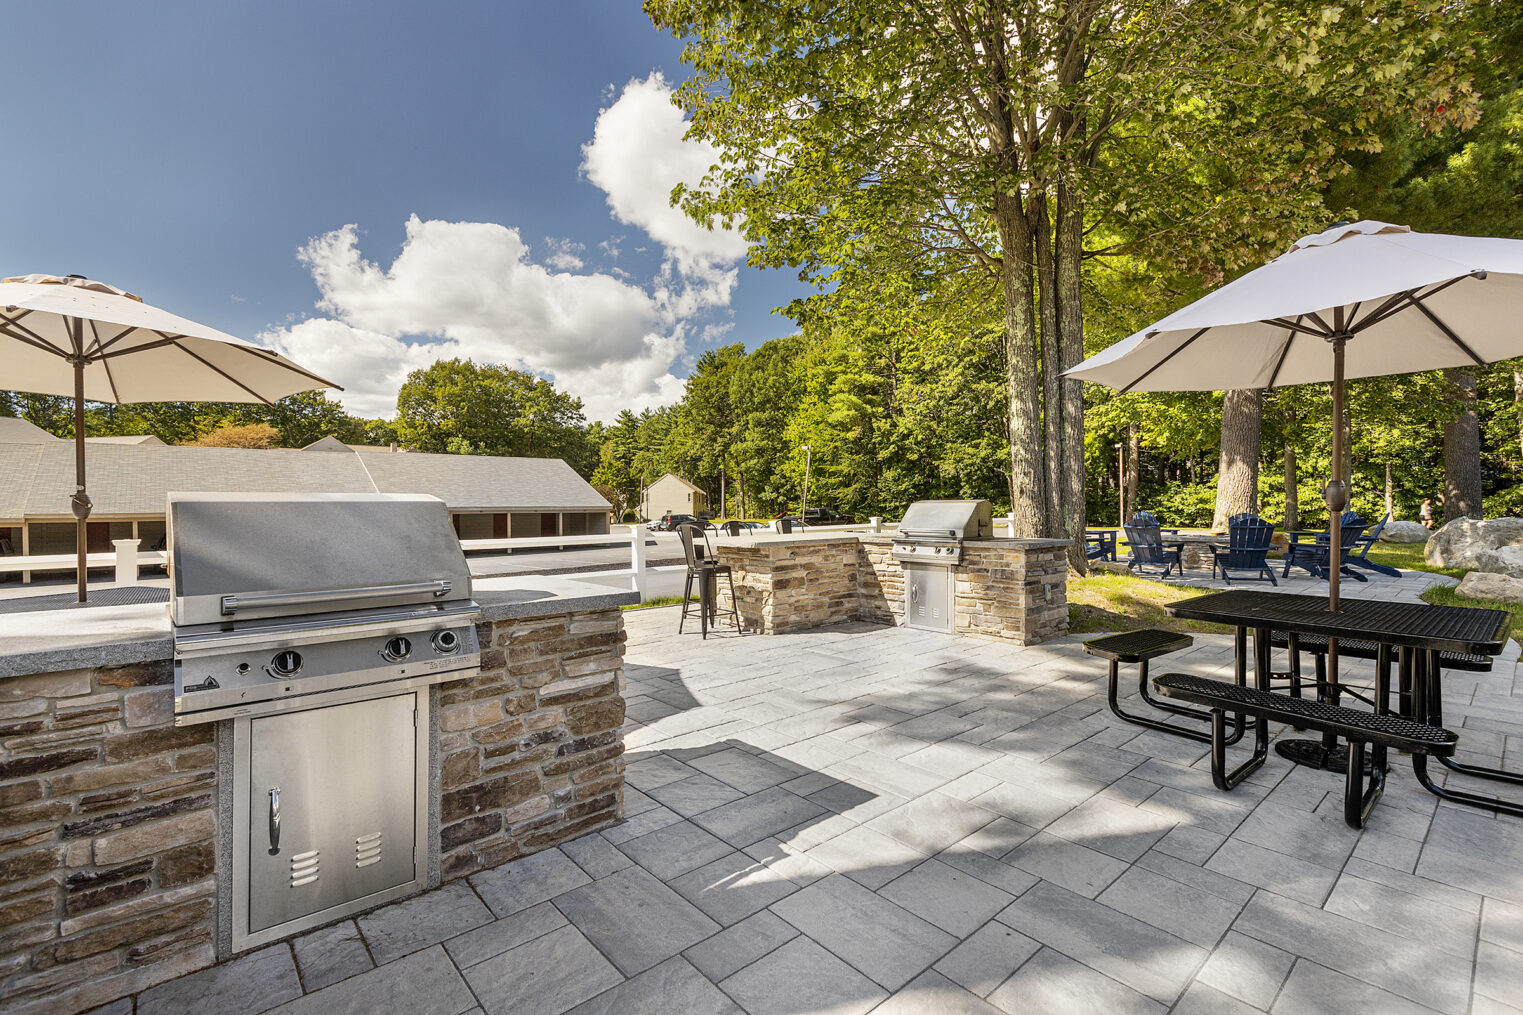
(672, 495)
(129, 479)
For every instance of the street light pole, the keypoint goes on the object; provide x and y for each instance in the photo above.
(808, 459)
(1120, 483)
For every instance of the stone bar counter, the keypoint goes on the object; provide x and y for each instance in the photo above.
(1010, 589)
(112, 835)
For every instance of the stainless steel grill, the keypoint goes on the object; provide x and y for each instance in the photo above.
(288, 601)
(315, 623)
(929, 544)
(934, 530)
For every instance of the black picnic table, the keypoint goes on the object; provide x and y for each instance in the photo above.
(1419, 632)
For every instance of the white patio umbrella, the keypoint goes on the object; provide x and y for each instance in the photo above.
(1358, 300)
(67, 335)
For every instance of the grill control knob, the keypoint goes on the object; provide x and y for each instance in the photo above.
(396, 650)
(285, 664)
(446, 642)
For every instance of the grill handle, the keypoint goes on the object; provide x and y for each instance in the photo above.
(274, 820)
(938, 533)
(232, 604)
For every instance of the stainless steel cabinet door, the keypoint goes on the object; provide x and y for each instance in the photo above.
(928, 591)
(331, 806)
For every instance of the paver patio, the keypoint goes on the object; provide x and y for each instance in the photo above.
(865, 818)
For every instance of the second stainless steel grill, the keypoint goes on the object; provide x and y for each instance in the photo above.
(315, 623)
(929, 544)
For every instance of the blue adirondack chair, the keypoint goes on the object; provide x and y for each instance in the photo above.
(1249, 539)
(1148, 549)
(1369, 539)
(1310, 550)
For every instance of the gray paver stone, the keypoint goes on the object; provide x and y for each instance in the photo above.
(331, 954)
(634, 919)
(393, 931)
(548, 975)
(424, 983)
(802, 977)
(247, 984)
(671, 988)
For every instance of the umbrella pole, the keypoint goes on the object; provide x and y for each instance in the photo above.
(80, 502)
(1336, 493)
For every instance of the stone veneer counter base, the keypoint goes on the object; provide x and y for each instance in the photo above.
(109, 819)
(1009, 589)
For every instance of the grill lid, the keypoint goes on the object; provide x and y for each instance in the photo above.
(947, 519)
(234, 557)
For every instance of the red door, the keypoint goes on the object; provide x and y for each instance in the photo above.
(97, 537)
(547, 524)
(499, 526)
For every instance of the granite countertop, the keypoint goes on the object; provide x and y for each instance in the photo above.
(864, 535)
(48, 642)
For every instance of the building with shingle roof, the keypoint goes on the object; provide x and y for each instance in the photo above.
(130, 479)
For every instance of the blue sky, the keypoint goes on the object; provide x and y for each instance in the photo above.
(366, 186)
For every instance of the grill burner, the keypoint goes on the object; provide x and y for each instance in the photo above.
(290, 601)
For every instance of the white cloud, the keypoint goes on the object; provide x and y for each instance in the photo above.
(472, 289)
(371, 366)
(638, 154)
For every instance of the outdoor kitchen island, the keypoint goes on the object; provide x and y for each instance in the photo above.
(1010, 589)
(115, 823)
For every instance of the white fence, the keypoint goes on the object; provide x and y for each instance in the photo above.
(129, 557)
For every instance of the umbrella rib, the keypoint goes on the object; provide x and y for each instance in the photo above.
(1296, 326)
(1326, 331)
(103, 346)
(1402, 301)
(24, 336)
(116, 396)
(1448, 333)
(1175, 352)
(1290, 337)
(216, 369)
(137, 348)
(273, 359)
(1378, 314)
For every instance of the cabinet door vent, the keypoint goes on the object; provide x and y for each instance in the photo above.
(367, 849)
(304, 868)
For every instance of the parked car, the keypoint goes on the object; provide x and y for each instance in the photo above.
(670, 522)
(825, 516)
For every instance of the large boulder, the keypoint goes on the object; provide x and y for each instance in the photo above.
(1459, 543)
(1484, 585)
(1404, 532)
(1506, 560)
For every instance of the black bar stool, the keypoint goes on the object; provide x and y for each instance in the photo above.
(705, 569)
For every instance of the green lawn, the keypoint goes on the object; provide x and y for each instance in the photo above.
(1104, 601)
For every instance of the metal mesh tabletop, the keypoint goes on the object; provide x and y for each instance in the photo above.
(1134, 646)
(1460, 629)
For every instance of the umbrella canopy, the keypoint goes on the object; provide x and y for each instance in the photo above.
(1358, 300)
(1404, 301)
(67, 335)
(132, 352)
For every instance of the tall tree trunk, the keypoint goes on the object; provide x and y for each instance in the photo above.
(1069, 267)
(1133, 464)
(1292, 491)
(1051, 349)
(1390, 493)
(1462, 449)
(1517, 396)
(1023, 382)
(1237, 484)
